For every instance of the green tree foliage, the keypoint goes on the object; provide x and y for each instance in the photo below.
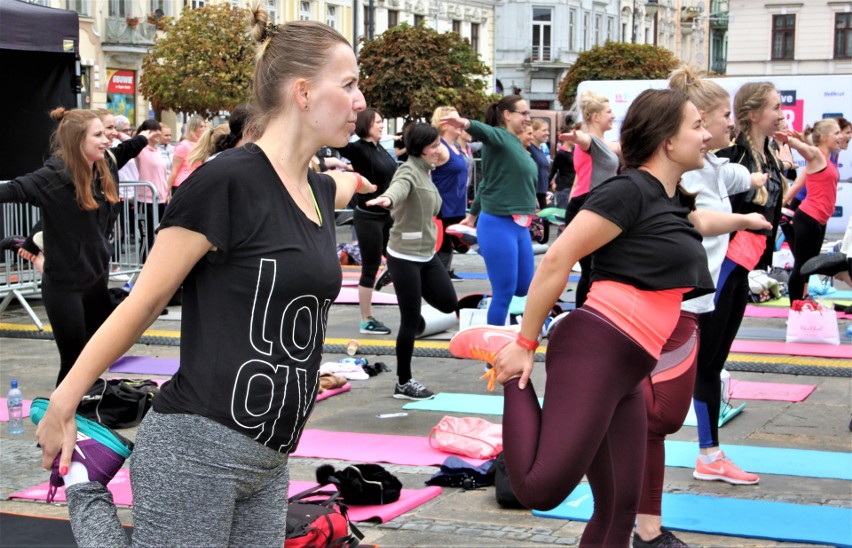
(408, 71)
(204, 62)
(616, 61)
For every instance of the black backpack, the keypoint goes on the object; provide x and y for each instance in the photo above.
(118, 403)
(502, 488)
(362, 484)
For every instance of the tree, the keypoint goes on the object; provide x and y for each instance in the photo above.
(616, 61)
(203, 64)
(408, 71)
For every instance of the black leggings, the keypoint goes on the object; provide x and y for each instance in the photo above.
(717, 331)
(574, 206)
(372, 231)
(411, 281)
(445, 252)
(74, 315)
(545, 225)
(808, 242)
(593, 423)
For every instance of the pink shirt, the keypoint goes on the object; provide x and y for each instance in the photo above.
(822, 193)
(583, 169)
(152, 168)
(182, 150)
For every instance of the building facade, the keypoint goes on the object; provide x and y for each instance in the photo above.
(790, 37)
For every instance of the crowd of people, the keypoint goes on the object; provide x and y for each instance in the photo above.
(666, 224)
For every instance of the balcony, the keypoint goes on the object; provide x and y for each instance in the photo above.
(129, 31)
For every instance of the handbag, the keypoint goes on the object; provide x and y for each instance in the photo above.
(811, 322)
(467, 436)
(317, 518)
(362, 484)
(118, 403)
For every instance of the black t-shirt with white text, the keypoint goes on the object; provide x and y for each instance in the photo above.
(255, 309)
(658, 247)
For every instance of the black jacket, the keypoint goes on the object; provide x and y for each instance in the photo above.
(77, 242)
(374, 163)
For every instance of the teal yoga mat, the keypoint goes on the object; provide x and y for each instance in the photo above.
(733, 517)
(725, 415)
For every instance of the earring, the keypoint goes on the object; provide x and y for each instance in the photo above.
(306, 107)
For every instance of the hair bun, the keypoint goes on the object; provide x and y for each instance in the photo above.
(58, 114)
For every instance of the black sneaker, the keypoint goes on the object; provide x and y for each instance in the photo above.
(666, 539)
(384, 279)
(827, 264)
(412, 390)
(374, 327)
(455, 277)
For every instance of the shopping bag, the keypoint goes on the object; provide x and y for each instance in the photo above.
(810, 322)
(467, 436)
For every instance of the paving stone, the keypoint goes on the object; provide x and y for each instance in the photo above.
(544, 539)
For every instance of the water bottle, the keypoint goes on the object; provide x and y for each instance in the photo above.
(15, 401)
(357, 361)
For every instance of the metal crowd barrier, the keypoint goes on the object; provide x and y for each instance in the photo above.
(20, 279)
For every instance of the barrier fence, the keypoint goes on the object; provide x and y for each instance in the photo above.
(133, 237)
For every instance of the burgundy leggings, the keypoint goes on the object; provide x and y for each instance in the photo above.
(668, 393)
(593, 423)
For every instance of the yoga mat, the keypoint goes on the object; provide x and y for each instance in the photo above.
(805, 463)
(24, 530)
(725, 415)
(334, 391)
(408, 499)
(754, 311)
(517, 304)
(349, 295)
(145, 365)
(352, 446)
(4, 409)
(434, 321)
(843, 350)
(733, 517)
(472, 275)
(119, 487)
(784, 302)
(770, 391)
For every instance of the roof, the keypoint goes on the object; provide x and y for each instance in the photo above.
(31, 27)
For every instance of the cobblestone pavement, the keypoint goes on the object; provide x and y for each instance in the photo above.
(458, 517)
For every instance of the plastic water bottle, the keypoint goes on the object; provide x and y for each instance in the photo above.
(15, 401)
(357, 361)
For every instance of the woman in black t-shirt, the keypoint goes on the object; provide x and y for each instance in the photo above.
(252, 237)
(647, 253)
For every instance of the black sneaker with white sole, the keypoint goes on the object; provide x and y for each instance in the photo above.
(412, 390)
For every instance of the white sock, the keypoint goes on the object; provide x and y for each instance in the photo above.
(77, 473)
(707, 459)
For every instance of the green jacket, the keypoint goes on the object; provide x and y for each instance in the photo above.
(414, 203)
(509, 173)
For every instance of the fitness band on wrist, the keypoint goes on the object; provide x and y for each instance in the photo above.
(524, 342)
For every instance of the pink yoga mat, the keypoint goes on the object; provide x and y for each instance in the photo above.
(4, 409)
(773, 391)
(351, 446)
(349, 295)
(753, 311)
(119, 487)
(334, 391)
(408, 499)
(145, 365)
(793, 349)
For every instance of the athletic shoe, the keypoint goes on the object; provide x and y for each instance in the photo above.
(724, 470)
(384, 279)
(412, 390)
(101, 450)
(12, 243)
(665, 540)
(374, 327)
(827, 264)
(482, 342)
(454, 277)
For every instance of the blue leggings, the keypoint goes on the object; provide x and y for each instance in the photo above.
(507, 249)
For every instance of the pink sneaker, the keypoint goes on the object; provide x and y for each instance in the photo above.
(723, 469)
(482, 342)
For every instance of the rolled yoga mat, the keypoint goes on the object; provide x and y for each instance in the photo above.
(732, 517)
(434, 321)
(408, 500)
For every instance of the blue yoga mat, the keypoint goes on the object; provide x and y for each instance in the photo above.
(682, 454)
(733, 517)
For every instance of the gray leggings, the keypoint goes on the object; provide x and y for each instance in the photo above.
(195, 483)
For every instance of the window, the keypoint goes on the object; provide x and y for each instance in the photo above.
(598, 29)
(418, 19)
(272, 10)
(162, 7)
(586, 25)
(195, 4)
(610, 28)
(542, 18)
(305, 11)
(474, 37)
(456, 26)
(331, 16)
(367, 21)
(843, 35)
(783, 36)
(572, 29)
(120, 8)
(393, 18)
(82, 7)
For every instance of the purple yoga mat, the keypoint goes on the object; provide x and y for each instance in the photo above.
(145, 365)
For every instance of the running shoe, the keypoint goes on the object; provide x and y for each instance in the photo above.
(723, 469)
(666, 539)
(101, 450)
(384, 279)
(827, 264)
(412, 390)
(374, 327)
(482, 342)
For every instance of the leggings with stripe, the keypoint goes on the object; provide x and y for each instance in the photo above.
(507, 249)
(668, 392)
(593, 423)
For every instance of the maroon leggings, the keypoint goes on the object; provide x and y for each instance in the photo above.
(593, 423)
(667, 402)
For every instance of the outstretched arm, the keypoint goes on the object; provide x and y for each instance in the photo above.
(349, 184)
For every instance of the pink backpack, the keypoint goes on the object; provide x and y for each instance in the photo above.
(467, 436)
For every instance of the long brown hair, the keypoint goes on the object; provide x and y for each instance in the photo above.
(754, 97)
(67, 144)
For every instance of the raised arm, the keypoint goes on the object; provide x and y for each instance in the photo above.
(348, 184)
(812, 155)
(579, 138)
(713, 223)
